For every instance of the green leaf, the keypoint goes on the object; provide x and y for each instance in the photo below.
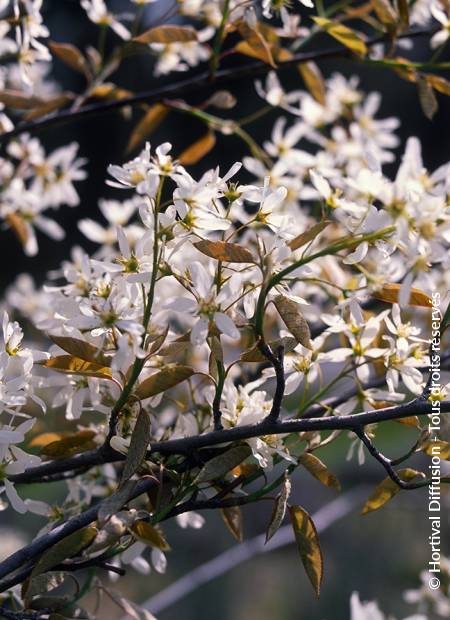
(71, 365)
(226, 252)
(387, 489)
(115, 502)
(150, 535)
(163, 380)
(167, 34)
(232, 518)
(343, 34)
(279, 509)
(294, 320)
(137, 451)
(64, 549)
(41, 584)
(308, 545)
(319, 470)
(220, 465)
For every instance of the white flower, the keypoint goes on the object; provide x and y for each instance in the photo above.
(440, 37)
(274, 94)
(99, 14)
(206, 305)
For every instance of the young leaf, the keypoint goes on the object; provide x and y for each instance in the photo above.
(18, 226)
(41, 584)
(390, 293)
(70, 445)
(198, 149)
(64, 549)
(79, 348)
(150, 535)
(71, 56)
(439, 448)
(71, 365)
(51, 105)
(115, 502)
(44, 439)
(386, 13)
(343, 34)
(308, 545)
(387, 489)
(227, 252)
(220, 465)
(319, 470)
(254, 45)
(427, 98)
(18, 100)
(279, 509)
(307, 236)
(255, 355)
(438, 83)
(137, 451)
(163, 380)
(256, 48)
(167, 34)
(233, 520)
(403, 9)
(294, 320)
(147, 125)
(313, 79)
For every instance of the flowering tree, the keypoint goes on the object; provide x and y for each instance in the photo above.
(174, 347)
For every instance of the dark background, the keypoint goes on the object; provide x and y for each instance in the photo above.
(379, 555)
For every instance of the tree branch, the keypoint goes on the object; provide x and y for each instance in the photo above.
(355, 423)
(187, 445)
(388, 464)
(39, 545)
(194, 84)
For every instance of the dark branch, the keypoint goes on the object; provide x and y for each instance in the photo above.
(353, 423)
(194, 84)
(388, 464)
(39, 545)
(187, 445)
(277, 361)
(279, 427)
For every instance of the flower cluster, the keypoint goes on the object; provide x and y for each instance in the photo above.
(212, 337)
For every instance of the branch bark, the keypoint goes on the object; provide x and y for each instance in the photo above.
(194, 84)
(187, 445)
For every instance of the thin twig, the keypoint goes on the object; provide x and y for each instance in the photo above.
(388, 464)
(194, 84)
